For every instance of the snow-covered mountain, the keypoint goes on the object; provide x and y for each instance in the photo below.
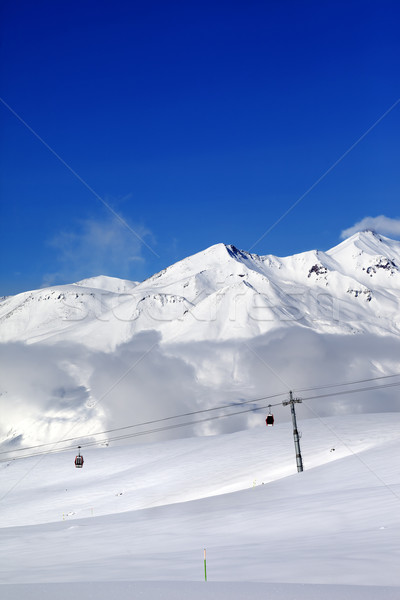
(216, 328)
(221, 293)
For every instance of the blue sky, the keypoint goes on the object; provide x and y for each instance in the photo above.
(134, 134)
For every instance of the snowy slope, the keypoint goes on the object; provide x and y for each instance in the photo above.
(144, 514)
(110, 284)
(222, 293)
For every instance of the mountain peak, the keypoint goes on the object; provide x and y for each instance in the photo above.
(107, 283)
(368, 242)
(367, 234)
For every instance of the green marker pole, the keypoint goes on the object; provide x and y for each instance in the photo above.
(205, 566)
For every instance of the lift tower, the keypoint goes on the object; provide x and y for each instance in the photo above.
(296, 437)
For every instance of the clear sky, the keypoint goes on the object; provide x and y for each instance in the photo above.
(134, 134)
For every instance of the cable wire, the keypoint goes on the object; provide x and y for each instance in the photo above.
(321, 387)
(202, 411)
(152, 422)
(187, 423)
(140, 433)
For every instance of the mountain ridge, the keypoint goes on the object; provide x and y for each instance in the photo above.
(220, 293)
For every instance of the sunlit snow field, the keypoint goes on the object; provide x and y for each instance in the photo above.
(135, 521)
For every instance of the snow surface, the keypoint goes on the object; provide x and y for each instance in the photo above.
(221, 293)
(135, 520)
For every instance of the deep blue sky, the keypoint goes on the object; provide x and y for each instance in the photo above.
(197, 123)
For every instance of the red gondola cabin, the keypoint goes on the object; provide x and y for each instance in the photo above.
(269, 421)
(79, 460)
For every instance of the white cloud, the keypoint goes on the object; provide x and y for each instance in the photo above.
(97, 247)
(52, 392)
(380, 224)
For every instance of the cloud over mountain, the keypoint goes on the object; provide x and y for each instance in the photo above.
(100, 246)
(380, 224)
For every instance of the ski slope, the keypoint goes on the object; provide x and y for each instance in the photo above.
(136, 519)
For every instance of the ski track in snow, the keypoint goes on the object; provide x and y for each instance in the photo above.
(134, 521)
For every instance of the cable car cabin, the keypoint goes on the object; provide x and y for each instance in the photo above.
(79, 461)
(269, 420)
